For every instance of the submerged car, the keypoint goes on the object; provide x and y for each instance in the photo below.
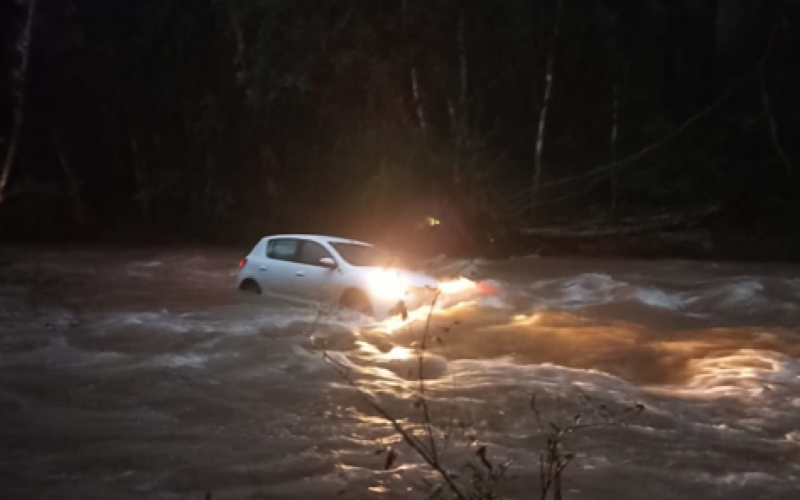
(334, 271)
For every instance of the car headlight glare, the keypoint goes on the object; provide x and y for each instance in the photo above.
(388, 284)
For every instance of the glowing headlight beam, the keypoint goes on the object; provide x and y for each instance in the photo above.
(388, 284)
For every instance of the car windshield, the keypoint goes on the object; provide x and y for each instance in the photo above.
(363, 255)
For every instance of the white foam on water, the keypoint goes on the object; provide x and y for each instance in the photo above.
(738, 479)
(658, 298)
(579, 291)
(180, 361)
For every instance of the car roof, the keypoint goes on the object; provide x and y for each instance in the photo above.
(330, 239)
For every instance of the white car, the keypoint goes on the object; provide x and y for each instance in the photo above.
(334, 271)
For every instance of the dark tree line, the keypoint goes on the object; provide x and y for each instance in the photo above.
(221, 119)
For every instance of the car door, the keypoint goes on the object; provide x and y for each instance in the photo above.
(314, 280)
(278, 270)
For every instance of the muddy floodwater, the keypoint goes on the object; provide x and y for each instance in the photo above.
(133, 374)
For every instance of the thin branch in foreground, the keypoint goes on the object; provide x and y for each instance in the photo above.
(553, 462)
(418, 446)
(478, 478)
(428, 451)
(420, 361)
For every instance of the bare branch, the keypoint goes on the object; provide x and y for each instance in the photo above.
(420, 355)
(407, 436)
(553, 462)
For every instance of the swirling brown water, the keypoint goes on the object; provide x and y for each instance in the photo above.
(140, 374)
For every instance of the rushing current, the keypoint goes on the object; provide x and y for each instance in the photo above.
(143, 374)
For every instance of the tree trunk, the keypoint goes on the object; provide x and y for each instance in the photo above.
(239, 60)
(462, 58)
(20, 73)
(271, 168)
(458, 113)
(538, 166)
(140, 172)
(416, 90)
(422, 117)
(614, 138)
(773, 126)
(73, 185)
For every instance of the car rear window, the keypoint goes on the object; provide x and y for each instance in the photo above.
(363, 255)
(282, 249)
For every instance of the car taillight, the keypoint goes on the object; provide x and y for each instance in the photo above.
(242, 262)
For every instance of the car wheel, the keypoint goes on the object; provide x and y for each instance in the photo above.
(356, 300)
(250, 286)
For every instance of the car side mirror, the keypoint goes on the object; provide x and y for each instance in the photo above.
(328, 262)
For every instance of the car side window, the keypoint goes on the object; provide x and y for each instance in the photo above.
(311, 252)
(282, 249)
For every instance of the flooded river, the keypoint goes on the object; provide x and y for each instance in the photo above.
(143, 374)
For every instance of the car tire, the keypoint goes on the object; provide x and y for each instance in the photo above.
(356, 300)
(250, 286)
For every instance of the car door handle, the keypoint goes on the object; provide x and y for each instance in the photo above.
(262, 268)
(300, 274)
